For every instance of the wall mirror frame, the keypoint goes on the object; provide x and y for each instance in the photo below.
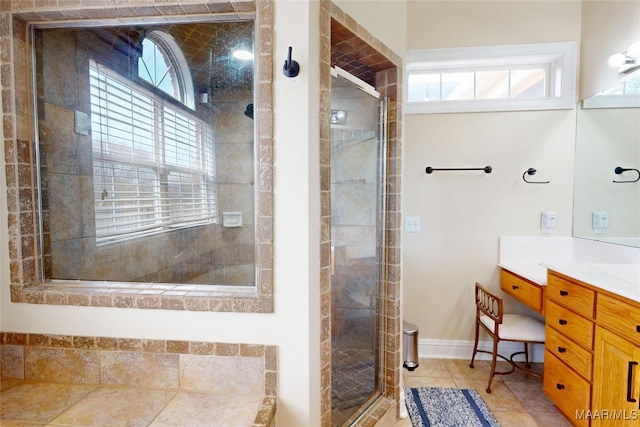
(606, 185)
(24, 195)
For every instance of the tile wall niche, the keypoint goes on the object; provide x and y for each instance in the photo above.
(22, 191)
(241, 369)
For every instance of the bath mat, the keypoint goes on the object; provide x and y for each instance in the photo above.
(447, 407)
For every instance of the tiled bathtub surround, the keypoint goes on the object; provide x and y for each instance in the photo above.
(237, 381)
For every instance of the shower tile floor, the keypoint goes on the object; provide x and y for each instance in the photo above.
(352, 382)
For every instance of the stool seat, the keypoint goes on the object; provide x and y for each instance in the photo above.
(517, 327)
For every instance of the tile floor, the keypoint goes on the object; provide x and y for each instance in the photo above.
(39, 403)
(516, 400)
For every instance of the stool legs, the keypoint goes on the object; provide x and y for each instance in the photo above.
(475, 345)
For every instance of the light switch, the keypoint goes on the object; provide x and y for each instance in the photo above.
(412, 224)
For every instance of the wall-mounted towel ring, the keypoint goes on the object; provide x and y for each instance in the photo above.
(619, 170)
(290, 68)
(532, 171)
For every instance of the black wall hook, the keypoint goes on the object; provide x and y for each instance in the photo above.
(619, 170)
(532, 171)
(291, 68)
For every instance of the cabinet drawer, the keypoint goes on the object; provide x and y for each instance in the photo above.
(570, 324)
(528, 293)
(580, 299)
(569, 352)
(565, 388)
(619, 316)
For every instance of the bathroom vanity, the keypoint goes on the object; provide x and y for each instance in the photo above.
(592, 352)
(592, 316)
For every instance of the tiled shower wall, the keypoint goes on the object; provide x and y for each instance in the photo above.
(160, 364)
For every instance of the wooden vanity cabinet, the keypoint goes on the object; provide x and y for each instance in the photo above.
(527, 292)
(569, 317)
(592, 354)
(616, 381)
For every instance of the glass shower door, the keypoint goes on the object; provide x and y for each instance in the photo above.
(357, 169)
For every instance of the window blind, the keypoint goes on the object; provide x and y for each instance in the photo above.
(154, 164)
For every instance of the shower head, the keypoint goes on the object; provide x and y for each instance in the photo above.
(249, 111)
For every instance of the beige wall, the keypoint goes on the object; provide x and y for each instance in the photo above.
(440, 24)
(608, 27)
(294, 326)
(464, 213)
(385, 19)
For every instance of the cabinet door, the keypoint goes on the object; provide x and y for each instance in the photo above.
(616, 381)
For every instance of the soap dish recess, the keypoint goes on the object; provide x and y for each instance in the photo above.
(232, 219)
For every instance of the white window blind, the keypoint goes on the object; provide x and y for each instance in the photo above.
(154, 164)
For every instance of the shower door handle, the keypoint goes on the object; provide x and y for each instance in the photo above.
(333, 259)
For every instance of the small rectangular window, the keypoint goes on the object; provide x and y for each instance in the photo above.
(498, 78)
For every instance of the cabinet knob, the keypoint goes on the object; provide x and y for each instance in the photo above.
(637, 328)
(564, 293)
(514, 287)
(562, 322)
(561, 349)
(560, 386)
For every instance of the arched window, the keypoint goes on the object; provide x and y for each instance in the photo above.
(164, 66)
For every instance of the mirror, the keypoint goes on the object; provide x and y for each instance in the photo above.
(607, 182)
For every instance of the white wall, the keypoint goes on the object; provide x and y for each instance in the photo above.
(295, 325)
(464, 213)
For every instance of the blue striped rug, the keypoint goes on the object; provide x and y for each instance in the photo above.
(447, 407)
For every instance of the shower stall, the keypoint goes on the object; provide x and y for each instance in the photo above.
(358, 117)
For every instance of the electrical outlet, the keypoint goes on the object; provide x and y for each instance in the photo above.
(600, 221)
(547, 221)
(412, 224)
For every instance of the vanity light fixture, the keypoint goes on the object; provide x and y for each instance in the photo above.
(627, 61)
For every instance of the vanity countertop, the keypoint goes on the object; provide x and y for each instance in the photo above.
(536, 272)
(620, 279)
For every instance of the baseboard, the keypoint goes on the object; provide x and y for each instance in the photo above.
(459, 349)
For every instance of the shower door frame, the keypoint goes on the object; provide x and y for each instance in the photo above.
(381, 246)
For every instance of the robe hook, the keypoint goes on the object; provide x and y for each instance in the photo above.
(291, 68)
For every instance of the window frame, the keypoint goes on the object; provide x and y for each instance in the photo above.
(167, 45)
(561, 58)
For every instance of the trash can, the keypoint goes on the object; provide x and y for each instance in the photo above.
(410, 337)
